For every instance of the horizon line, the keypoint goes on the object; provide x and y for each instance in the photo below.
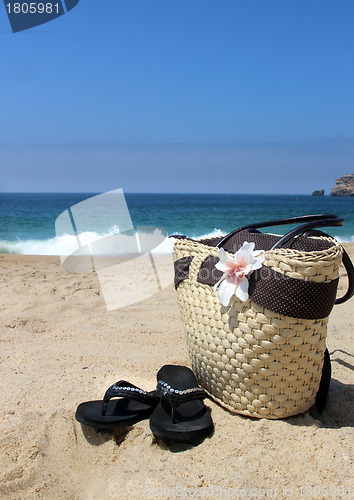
(171, 193)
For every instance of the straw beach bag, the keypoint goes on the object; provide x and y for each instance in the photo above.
(266, 356)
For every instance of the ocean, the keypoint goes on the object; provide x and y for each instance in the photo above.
(27, 220)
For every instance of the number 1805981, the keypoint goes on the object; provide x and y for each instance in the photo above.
(33, 8)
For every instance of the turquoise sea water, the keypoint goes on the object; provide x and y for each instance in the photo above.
(27, 221)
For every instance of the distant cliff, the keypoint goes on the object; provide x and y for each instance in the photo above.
(320, 192)
(344, 186)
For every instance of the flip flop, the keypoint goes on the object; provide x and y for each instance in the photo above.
(181, 414)
(135, 405)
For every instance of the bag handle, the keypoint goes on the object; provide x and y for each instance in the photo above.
(311, 221)
(307, 229)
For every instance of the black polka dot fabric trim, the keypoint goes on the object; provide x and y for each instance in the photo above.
(208, 274)
(292, 297)
(280, 293)
(182, 269)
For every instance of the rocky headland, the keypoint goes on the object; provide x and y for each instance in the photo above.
(344, 186)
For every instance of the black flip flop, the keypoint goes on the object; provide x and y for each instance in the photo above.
(134, 406)
(181, 414)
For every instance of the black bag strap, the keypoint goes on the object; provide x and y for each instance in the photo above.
(310, 222)
(350, 272)
(308, 228)
(321, 396)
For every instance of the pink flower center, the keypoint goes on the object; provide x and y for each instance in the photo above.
(235, 270)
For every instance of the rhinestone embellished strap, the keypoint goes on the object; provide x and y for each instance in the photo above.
(180, 396)
(123, 389)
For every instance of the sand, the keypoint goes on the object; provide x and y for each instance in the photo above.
(60, 346)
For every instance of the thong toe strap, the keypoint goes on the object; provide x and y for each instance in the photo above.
(179, 396)
(124, 389)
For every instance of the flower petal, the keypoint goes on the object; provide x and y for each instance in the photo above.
(223, 257)
(226, 291)
(221, 267)
(245, 252)
(218, 283)
(242, 290)
(258, 263)
(248, 269)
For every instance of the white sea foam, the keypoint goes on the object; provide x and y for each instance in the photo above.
(66, 244)
(30, 247)
(216, 233)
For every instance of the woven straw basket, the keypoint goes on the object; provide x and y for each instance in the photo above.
(263, 357)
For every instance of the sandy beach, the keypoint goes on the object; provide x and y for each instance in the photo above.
(60, 346)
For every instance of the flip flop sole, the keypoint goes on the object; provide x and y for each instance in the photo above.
(120, 413)
(185, 436)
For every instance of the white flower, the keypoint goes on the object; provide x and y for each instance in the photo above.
(234, 280)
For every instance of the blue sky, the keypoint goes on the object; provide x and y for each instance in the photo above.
(179, 96)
